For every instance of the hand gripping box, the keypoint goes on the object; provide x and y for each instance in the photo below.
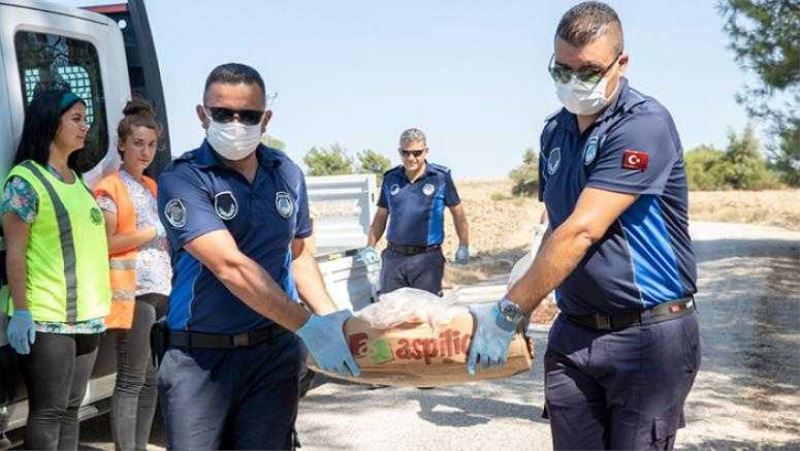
(422, 355)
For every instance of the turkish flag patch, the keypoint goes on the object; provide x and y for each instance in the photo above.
(634, 159)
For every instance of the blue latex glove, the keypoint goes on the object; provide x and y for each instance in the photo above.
(21, 332)
(369, 255)
(462, 254)
(493, 334)
(324, 338)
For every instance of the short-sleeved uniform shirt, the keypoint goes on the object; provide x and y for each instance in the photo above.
(416, 210)
(198, 194)
(646, 257)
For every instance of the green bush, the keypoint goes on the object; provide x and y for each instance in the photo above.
(741, 166)
(705, 168)
(371, 162)
(525, 178)
(330, 161)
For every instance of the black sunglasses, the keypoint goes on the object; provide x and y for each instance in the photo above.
(415, 153)
(225, 115)
(564, 74)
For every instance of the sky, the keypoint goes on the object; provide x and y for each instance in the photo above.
(472, 75)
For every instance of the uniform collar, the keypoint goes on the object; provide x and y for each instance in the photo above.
(206, 157)
(429, 170)
(625, 99)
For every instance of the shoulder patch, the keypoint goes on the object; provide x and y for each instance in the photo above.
(553, 160)
(225, 205)
(590, 150)
(175, 212)
(284, 204)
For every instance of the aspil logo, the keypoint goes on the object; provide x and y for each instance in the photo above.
(450, 343)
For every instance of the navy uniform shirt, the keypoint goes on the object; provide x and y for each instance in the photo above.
(198, 194)
(416, 210)
(646, 257)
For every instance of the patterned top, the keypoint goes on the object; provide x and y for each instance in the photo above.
(153, 269)
(20, 198)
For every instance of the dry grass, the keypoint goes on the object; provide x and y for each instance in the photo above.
(501, 226)
(777, 208)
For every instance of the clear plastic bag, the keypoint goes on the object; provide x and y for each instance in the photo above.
(410, 305)
(522, 265)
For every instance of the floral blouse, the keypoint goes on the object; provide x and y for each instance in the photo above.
(20, 198)
(153, 268)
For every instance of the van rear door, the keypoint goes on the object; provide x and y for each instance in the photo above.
(47, 44)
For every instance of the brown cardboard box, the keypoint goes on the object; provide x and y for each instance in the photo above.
(420, 355)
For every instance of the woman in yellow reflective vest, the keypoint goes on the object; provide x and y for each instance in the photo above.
(57, 265)
(140, 273)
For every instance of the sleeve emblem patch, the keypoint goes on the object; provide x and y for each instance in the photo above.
(634, 159)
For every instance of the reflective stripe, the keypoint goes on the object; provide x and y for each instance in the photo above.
(122, 265)
(123, 294)
(67, 244)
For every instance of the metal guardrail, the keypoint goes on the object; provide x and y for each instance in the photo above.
(342, 207)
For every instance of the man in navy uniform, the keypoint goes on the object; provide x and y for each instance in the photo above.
(236, 214)
(623, 354)
(413, 198)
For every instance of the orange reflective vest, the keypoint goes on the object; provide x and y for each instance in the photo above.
(122, 264)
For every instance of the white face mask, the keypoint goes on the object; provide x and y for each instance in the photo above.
(582, 98)
(233, 141)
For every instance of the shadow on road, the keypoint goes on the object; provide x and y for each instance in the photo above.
(460, 411)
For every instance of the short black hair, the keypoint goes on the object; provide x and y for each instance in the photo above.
(42, 119)
(233, 74)
(587, 21)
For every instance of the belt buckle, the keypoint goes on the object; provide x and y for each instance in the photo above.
(242, 339)
(603, 322)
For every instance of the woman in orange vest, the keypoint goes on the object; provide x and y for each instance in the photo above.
(140, 273)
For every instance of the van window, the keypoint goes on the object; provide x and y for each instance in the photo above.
(50, 60)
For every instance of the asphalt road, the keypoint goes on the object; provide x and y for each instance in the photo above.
(747, 394)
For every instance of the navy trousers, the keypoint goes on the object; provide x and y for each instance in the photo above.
(244, 398)
(423, 271)
(622, 389)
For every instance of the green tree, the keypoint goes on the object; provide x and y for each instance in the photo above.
(740, 166)
(371, 162)
(787, 156)
(765, 40)
(705, 167)
(331, 161)
(525, 178)
(746, 168)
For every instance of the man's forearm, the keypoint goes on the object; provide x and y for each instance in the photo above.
(559, 254)
(375, 232)
(311, 285)
(462, 229)
(253, 285)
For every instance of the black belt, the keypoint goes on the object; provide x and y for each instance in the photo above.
(414, 250)
(621, 320)
(184, 339)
